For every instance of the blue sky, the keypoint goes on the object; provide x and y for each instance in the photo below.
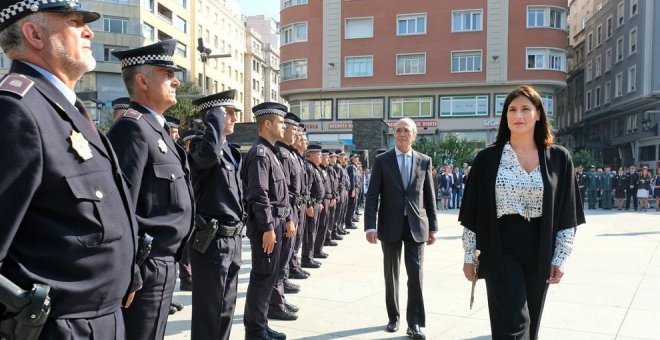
(269, 8)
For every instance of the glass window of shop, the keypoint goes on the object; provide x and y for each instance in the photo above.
(360, 108)
(411, 107)
(312, 109)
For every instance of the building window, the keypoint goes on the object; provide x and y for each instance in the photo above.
(588, 100)
(115, 25)
(165, 13)
(548, 101)
(620, 12)
(462, 106)
(608, 92)
(632, 78)
(466, 61)
(413, 107)
(590, 42)
(360, 108)
(618, 85)
(411, 24)
(149, 4)
(362, 66)
(180, 24)
(107, 52)
(608, 27)
(148, 32)
(631, 124)
(357, 28)
(597, 97)
(589, 72)
(289, 3)
(466, 21)
(546, 59)
(599, 35)
(552, 17)
(312, 109)
(295, 69)
(410, 64)
(634, 7)
(619, 49)
(294, 33)
(632, 41)
(181, 50)
(608, 60)
(599, 61)
(182, 3)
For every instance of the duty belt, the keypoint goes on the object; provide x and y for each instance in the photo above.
(281, 213)
(296, 200)
(230, 231)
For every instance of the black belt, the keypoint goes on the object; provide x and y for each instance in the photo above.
(281, 213)
(230, 231)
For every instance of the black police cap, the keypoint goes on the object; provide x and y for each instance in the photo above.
(158, 54)
(190, 134)
(121, 103)
(12, 10)
(314, 148)
(269, 108)
(172, 121)
(292, 119)
(224, 98)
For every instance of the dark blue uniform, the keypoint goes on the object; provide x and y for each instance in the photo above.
(353, 185)
(294, 263)
(317, 195)
(157, 169)
(66, 212)
(266, 195)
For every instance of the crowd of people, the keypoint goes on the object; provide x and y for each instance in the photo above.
(604, 188)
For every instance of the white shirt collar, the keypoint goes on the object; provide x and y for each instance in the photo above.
(409, 153)
(67, 92)
(159, 118)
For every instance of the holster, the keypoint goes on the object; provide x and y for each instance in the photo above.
(24, 313)
(144, 248)
(206, 231)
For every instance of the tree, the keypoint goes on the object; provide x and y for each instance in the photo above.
(582, 157)
(184, 109)
(449, 150)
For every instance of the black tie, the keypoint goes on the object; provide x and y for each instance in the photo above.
(79, 105)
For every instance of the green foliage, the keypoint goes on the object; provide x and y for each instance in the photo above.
(449, 150)
(184, 110)
(583, 157)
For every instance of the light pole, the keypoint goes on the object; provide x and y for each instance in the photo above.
(205, 54)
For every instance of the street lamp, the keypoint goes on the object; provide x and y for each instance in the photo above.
(205, 54)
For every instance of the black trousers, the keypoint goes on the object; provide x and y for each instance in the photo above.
(185, 269)
(631, 194)
(311, 229)
(146, 318)
(350, 209)
(516, 291)
(262, 279)
(414, 259)
(294, 262)
(105, 327)
(215, 282)
(324, 223)
(286, 250)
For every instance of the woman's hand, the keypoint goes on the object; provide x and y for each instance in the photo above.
(556, 273)
(468, 271)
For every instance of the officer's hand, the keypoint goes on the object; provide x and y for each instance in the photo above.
(309, 212)
(372, 237)
(290, 229)
(352, 193)
(216, 118)
(268, 241)
(129, 298)
(333, 202)
(320, 208)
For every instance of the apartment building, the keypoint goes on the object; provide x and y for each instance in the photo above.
(448, 66)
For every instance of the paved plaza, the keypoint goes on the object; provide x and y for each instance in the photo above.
(611, 289)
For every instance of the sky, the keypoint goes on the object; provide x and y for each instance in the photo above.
(269, 8)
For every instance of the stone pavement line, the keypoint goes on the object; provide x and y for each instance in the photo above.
(611, 289)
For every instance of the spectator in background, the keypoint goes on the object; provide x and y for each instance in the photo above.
(643, 189)
(657, 189)
(632, 180)
(457, 189)
(446, 182)
(607, 187)
(620, 189)
(593, 185)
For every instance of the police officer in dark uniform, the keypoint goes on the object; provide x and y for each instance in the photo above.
(582, 183)
(334, 233)
(66, 213)
(215, 246)
(314, 207)
(157, 169)
(267, 207)
(328, 203)
(119, 106)
(351, 169)
(295, 270)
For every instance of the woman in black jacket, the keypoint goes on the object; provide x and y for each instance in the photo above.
(520, 210)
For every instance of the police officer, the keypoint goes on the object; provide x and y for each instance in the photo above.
(314, 207)
(295, 270)
(582, 182)
(157, 169)
(352, 172)
(216, 174)
(328, 202)
(593, 185)
(632, 182)
(119, 106)
(607, 187)
(267, 207)
(66, 213)
(334, 232)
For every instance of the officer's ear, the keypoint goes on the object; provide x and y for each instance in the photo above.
(141, 81)
(34, 35)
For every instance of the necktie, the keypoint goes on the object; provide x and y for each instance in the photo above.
(79, 105)
(405, 173)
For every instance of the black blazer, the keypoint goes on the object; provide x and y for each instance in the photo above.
(387, 198)
(561, 201)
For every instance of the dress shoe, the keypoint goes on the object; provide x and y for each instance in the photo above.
(307, 263)
(290, 288)
(275, 335)
(415, 332)
(341, 232)
(321, 255)
(277, 313)
(186, 285)
(172, 310)
(330, 243)
(177, 305)
(355, 219)
(351, 226)
(393, 326)
(346, 232)
(336, 237)
(297, 275)
(292, 308)
(305, 272)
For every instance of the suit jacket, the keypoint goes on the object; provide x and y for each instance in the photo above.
(562, 207)
(66, 222)
(387, 199)
(157, 169)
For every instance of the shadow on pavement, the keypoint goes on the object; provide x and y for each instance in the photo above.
(632, 234)
(349, 332)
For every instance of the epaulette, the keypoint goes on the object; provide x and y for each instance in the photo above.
(130, 113)
(285, 153)
(261, 151)
(17, 84)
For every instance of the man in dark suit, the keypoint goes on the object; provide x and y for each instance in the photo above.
(157, 169)
(411, 221)
(66, 213)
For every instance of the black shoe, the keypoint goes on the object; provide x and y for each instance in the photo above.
(186, 285)
(355, 219)
(290, 288)
(330, 243)
(305, 272)
(340, 232)
(351, 227)
(172, 310)
(336, 237)
(415, 332)
(292, 308)
(307, 263)
(178, 306)
(297, 275)
(392, 326)
(321, 255)
(275, 335)
(276, 313)
(346, 232)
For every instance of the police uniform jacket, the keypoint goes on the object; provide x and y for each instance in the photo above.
(607, 181)
(316, 185)
(265, 187)
(325, 180)
(66, 221)
(593, 181)
(157, 169)
(632, 179)
(292, 170)
(341, 177)
(217, 182)
(351, 170)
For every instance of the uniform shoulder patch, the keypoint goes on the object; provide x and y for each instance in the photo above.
(17, 84)
(130, 113)
(285, 153)
(261, 151)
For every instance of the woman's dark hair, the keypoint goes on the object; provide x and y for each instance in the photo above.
(543, 135)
